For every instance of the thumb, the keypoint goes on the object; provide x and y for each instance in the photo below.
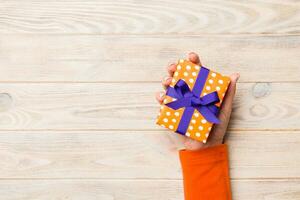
(227, 103)
(219, 130)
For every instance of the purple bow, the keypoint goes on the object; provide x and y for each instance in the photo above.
(186, 98)
(190, 100)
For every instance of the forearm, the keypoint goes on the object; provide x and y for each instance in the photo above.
(206, 173)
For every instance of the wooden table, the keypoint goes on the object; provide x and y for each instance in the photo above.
(77, 107)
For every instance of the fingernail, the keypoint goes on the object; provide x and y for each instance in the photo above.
(193, 57)
(167, 78)
(170, 66)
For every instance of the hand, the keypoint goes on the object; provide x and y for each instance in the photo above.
(218, 131)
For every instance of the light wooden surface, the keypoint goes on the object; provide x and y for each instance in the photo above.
(77, 106)
(101, 58)
(145, 154)
(132, 106)
(138, 189)
(149, 17)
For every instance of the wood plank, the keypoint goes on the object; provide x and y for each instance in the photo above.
(90, 189)
(149, 17)
(138, 189)
(266, 189)
(138, 154)
(131, 106)
(90, 58)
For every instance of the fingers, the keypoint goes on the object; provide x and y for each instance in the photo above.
(160, 97)
(171, 69)
(166, 81)
(227, 104)
(219, 130)
(194, 58)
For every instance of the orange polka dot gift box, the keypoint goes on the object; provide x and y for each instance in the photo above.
(193, 100)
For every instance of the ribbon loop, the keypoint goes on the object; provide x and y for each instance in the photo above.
(183, 89)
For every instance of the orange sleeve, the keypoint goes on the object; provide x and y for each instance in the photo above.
(206, 174)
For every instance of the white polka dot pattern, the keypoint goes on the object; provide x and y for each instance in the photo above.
(199, 127)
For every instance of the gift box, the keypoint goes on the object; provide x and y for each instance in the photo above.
(193, 100)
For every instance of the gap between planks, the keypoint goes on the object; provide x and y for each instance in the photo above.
(157, 131)
(161, 34)
(273, 179)
(103, 59)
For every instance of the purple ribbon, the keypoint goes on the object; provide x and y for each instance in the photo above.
(191, 100)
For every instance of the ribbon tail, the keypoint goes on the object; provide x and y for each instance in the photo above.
(185, 120)
(214, 109)
(208, 114)
(180, 103)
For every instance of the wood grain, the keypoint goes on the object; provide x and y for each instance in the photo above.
(138, 154)
(89, 58)
(77, 83)
(138, 189)
(131, 106)
(149, 17)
